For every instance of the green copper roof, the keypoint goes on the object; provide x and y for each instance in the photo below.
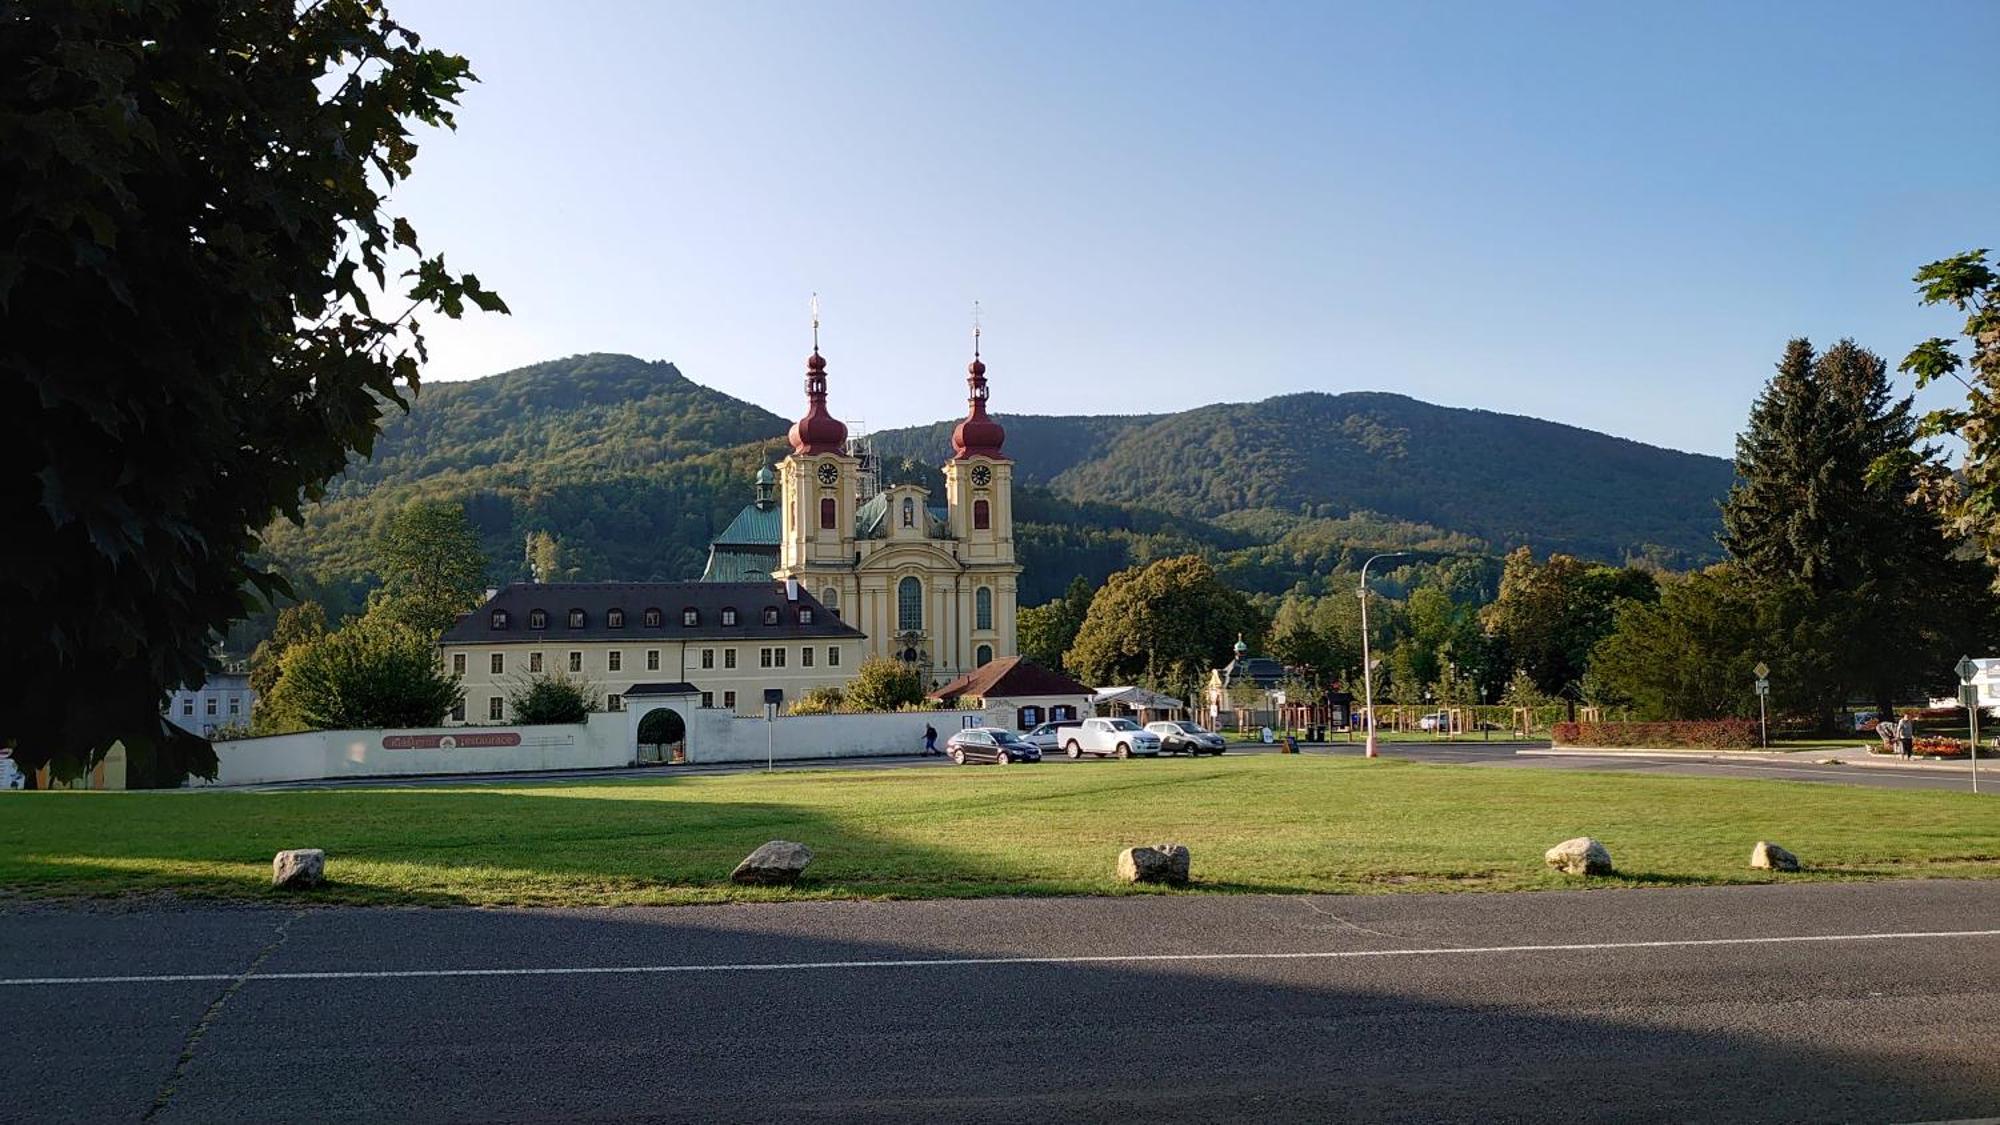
(727, 565)
(753, 527)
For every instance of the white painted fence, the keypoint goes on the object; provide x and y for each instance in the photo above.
(603, 741)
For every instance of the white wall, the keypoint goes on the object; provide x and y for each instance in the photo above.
(604, 741)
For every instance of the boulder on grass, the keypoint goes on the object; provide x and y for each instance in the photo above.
(776, 864)
(1767, 856)
(298, 868)
(1581, 856)
(1157, 863)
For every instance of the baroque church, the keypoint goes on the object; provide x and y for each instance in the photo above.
(932, 586)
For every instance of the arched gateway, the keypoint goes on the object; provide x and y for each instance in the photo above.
(660, 721)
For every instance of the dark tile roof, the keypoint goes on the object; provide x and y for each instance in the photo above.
(598, 599)
(678, 687)
(1010, 677)
(1259, 670)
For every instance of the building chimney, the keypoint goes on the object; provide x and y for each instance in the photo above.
(791, 589)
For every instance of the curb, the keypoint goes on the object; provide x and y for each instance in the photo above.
(1752, 756)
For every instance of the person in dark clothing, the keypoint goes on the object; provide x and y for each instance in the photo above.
(930, 740)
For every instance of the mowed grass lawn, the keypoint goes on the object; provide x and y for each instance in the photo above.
(1255, 824)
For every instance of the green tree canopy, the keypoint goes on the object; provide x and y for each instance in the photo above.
(374, 672)
(194, 238)
(1046, 632)
(1162, 625)
(1690, 654)
(552, 697)
(1550, 615)
(431, 566)
(882, 684)
(297, 624)
(1971, 497)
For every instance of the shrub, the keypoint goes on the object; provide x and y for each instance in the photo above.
(1703, 734)
(553, 697)
(818, 701)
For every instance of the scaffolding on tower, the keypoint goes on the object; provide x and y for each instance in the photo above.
(861, 447)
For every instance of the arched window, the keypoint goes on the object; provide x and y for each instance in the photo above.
(830, 598)
(576, 619)
(537, 619)
(982, 656)
(690, 617)
(729, 615)
(982, 608)
(909, 512)
(770, 615)
(614, 619)
(652, 619)
(982, 515)
(910, 605)
(499, 619)
(826, 513)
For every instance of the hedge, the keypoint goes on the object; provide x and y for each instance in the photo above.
(1703, 734)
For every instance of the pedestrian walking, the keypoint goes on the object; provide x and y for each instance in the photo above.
(1906, 734)
(930, 740)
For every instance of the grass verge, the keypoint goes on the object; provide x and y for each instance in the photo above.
(1255, 824)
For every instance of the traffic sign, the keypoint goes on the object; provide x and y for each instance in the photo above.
(1966, 669)
(1763, 687)
(1763, 670)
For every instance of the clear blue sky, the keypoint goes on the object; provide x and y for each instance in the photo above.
(1611, 214)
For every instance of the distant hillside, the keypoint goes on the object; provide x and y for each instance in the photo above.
(1498, 478)
(595, 411)
(634, 467)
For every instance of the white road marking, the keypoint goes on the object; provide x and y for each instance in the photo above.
(955, 962)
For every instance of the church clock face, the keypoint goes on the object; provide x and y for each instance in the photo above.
(982, 476)
(829, 475)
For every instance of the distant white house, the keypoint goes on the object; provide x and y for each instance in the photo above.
(1986, 681)
(223, 700)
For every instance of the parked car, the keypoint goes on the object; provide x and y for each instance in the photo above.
(1191, 739)
(1115, 738)
(1436, 721)
(1048, 737)
(990, 744)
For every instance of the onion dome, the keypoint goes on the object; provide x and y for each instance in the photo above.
(978, 435)
(767, 481)
(819, 431)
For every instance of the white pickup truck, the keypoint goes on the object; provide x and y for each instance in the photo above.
(1116, 738)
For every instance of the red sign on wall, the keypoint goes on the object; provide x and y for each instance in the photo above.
(468, 741)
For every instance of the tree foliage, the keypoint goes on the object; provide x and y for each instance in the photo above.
(1046, 632)
(1690, 654)
(882, 684)
(194, 239)
(431, 567)
(1164, 626)
(297, 624)
(373, 672)
(1550, 615)
(824, 700)
(552, 697)
(1971, 500)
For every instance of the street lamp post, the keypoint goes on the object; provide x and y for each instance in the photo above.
(1367, 670)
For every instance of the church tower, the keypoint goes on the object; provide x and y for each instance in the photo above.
(933, 587)
(979, 490)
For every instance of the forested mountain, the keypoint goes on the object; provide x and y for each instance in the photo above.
(1503, 479)
(633, 467)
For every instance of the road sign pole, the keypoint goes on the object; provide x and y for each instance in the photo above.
(1969, 695)
(1763, 671)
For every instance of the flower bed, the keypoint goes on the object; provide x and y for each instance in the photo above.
(1930, 746)
(1704, 734)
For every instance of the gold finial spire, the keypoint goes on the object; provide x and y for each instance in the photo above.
(975, 329)
(813, 306)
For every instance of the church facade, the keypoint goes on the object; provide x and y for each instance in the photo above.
(932, 585)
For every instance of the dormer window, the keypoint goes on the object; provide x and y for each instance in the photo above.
(499, 619)
(729, 615)
(537, 619)
(690, 618)
(652, 619)
(770, 615)
(576, 619)
(805, 616)
(614, 619)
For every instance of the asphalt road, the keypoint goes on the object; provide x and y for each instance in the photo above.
(1796, 767)
(1766, 1003)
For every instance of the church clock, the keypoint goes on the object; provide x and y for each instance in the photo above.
(981, 476)
(829, 474)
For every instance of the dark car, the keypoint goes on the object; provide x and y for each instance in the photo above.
(990, 744)
(1188, 738)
